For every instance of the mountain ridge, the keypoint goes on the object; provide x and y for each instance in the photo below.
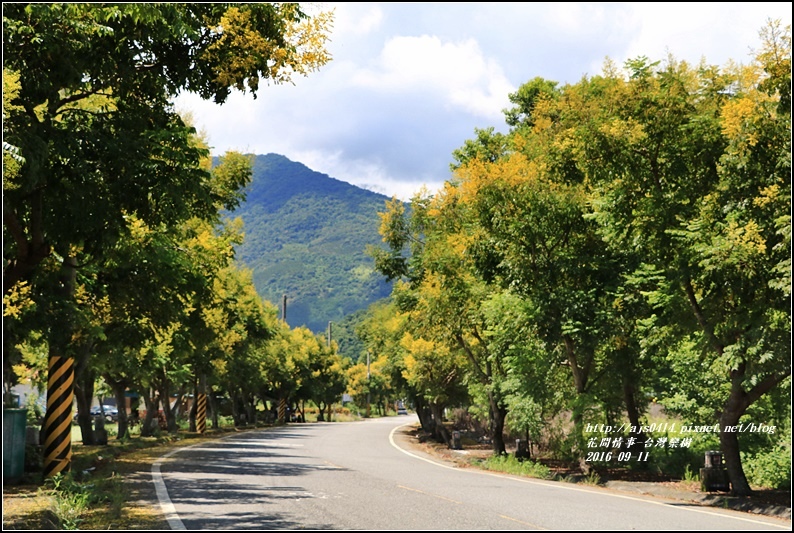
(305, 237)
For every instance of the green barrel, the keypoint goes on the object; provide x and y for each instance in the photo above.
(14, 421)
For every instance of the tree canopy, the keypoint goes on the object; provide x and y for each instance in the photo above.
(639, 222)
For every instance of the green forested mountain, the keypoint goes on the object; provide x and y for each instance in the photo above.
(305, 236)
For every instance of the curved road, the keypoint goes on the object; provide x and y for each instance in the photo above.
(358, 476)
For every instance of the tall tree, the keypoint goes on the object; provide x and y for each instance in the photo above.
(97, 117)
(94, 112)
(443, 293)
(690, 169)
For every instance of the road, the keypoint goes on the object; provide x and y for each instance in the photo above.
(361, 475)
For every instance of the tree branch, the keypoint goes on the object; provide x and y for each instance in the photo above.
(765, 385)
(701, 318)
(77, 97)
(472, 358)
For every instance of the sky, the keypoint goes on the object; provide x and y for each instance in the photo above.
(408, 83)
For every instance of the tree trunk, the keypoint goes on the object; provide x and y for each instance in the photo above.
(151, 403)
(425, 417)
(120, 391)
(729, 440)
(629, 397)
(194, 407)
(212, 403)
(236, 409)
(440, 431)
(498, 415)
(60, 385)
(84, 393)
(165, 401)
(251, 409)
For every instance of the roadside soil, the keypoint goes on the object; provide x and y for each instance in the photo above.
(31, 504)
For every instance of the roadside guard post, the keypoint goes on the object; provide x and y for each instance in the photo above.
(714, 476)
(456, 440)
(522, 449)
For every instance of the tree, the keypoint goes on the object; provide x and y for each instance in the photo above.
(148, 283)
(442, 296)
(240, 324)
(635, 215)
(436, 374)
(328, 379)
(96, 117)
(370, 384)
(690, 169)
(532, 237)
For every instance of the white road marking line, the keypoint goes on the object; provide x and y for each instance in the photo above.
(565, 486)
(162, 494)
(166, 505)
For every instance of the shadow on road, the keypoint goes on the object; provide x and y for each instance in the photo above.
(234, 473)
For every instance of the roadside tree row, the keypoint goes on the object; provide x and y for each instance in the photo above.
(116, 253)
(629, 238)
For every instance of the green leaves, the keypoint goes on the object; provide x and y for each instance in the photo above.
(639, 224)
(99, 137)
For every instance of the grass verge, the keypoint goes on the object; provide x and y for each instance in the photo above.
(510, 465)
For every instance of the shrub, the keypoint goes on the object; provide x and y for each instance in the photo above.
(771, 468)
(510, 465)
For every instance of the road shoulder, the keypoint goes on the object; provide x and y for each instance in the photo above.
(406, 438)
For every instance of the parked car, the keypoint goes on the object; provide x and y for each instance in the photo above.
(111, 413)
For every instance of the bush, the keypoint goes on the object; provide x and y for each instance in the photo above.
(34, 460)
(510, 465)
(770, 469)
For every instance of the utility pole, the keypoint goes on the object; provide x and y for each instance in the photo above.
(329, 333)
(282, 402)
(368, 383)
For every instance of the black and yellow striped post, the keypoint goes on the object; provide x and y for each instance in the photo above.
(201, 413)
(282, 411)
(58, 418)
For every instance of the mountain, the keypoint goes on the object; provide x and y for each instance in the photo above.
(305, 237)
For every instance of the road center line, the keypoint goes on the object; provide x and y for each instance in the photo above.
(522, 522)
(429, 494)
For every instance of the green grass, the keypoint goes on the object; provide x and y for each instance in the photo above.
(510, 465)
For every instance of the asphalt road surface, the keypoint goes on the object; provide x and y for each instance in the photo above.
(361, 475)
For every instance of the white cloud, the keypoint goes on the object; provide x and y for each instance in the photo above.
(409, 82)
(577, 18)
(457, 72)
(693, 31)
(356, 18)
(367, 174)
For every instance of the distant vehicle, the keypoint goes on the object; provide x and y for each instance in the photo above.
(401, 411)
(111, 413)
